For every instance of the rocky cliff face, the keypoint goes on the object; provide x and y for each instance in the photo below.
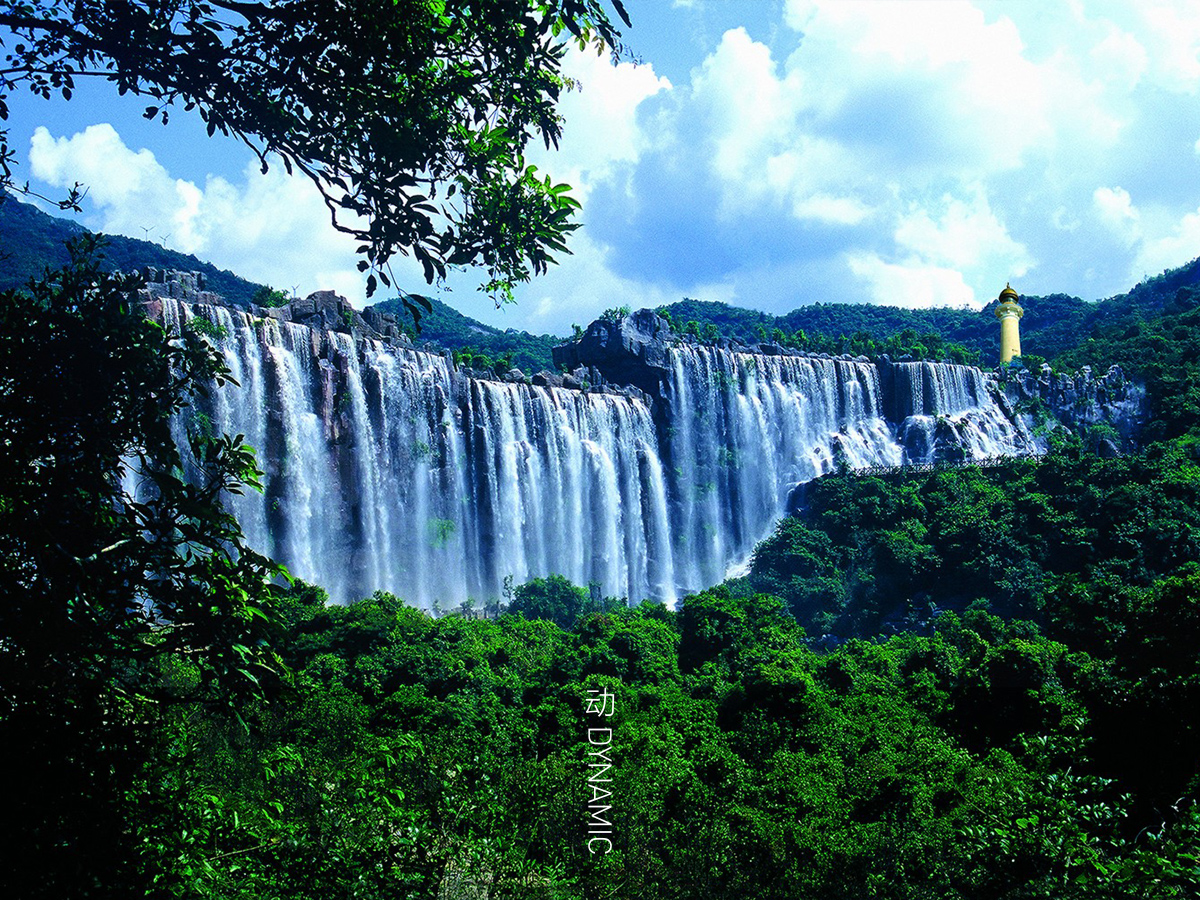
(1110, 405)
(320, 310)
(632, 351)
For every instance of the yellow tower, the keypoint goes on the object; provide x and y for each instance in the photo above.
(1009, 313)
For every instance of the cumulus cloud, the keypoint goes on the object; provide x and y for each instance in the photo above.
(1172, 31)
(1181, 244)
(580, 293)
(831, 210)
(929, 150)
(601, 131)
(268, 227)
(1115, 208)
(930, 87)
(940, 146)
(963, 234)
(913, 284)
(130, 186)
(747, 108)
(949, 252)
(1119, 58)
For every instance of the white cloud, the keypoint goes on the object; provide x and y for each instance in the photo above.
(600, 129)
(946, 249)
(1172, 32)
(965, 235)
(831, 210)
(748, 109)
(270, 228)
(1119, 58)
(960, 85)
(1180, 245)
(940, 128)
(1117, 212)
(580, 291)
(912, 284)
(1062, 220)
(131, 186)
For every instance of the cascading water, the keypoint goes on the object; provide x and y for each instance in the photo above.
(939, 405)
(744, 429)
(387, 468)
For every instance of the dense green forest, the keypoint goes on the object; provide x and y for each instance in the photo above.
(1053, 325)
(444, 326)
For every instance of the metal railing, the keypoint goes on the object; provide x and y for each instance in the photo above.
(987, 462)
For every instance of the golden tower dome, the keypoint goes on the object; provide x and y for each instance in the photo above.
(1009, 312)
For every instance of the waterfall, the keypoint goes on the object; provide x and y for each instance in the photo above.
(745, 429)
(938, 405)
(386, 468)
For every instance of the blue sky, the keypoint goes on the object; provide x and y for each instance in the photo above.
(768, 153)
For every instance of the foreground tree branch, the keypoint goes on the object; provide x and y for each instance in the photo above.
(410, 116)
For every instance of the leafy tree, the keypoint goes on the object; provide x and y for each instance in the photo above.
(126, 588)
(269, 297)
(553, 598)
(411, 117)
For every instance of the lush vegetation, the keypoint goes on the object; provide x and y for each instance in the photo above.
(443, 326)
(268, 297)
(1053, 325)
(876, 553)
(423, 757)
(1162, 351)
(127, 591)
(967, 683)
(1050, 324)
(906, 343)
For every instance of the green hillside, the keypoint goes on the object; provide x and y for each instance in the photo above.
(1052, 325)
(32, 241)
(447, 327)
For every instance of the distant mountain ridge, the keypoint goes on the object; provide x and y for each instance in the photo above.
(31, 241)
(1053, 324)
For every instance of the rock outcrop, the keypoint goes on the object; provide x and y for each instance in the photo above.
(633, 350)
(1079, 402)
